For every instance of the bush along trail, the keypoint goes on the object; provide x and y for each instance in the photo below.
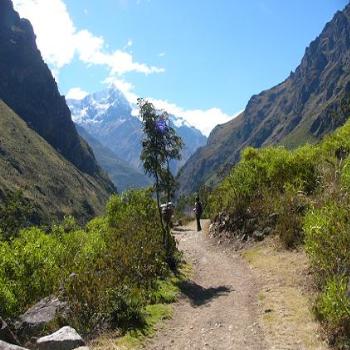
(297, 279)
(99, 277)
(271, 271)
(302, 198)
(256, 298)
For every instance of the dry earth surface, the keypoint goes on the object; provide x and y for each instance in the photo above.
(257, 299)
(218, 307)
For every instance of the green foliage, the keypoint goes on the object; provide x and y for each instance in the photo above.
(345, 175)
(327, 240)
(29, 269)
(159, 147)
(333, 304)
(15, 213)
(106, 271)
(270, 171)
(308, 191)
(291, 208)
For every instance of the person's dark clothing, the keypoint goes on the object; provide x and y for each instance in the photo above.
(198, 210)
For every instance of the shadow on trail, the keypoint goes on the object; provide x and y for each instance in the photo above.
(181, 229)
(199, 295)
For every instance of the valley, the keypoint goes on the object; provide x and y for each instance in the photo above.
(100, 187)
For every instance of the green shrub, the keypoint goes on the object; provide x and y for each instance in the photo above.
(333, 305)
(327, 240)
(15, 213)
(268, 170)
(345, 176)
(119, 263)
(29, 270)
(291, 208)
(106, 271)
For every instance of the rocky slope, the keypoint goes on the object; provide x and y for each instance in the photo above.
(53, 185)
(28, 87)
(123, 175)
(107, 116)
(311, 102)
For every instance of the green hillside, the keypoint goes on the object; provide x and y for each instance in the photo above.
(53, 185)
(123, 175)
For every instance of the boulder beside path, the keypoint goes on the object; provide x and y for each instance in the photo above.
(8, 346)
(65, 338)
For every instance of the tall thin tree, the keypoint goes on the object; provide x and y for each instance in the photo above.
(160, 145)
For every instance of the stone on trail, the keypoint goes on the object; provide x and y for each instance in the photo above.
(7, 346)
(6, 334)
(65, 338)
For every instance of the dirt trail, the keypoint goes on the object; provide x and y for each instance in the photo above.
(218, 308)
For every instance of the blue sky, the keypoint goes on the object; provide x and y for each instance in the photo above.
(203, 59)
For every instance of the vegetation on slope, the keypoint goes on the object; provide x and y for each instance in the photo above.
(107, 271)
(53, 186)
(123, 175)
(312, 102)
(306, 191)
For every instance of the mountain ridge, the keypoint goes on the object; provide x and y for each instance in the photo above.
(29, 89)
(54, 186)
(120, 172)
(310, 103)
(108, 117)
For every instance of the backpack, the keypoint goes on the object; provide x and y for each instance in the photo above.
(198, 208)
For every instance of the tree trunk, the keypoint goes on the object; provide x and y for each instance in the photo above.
(160, 212)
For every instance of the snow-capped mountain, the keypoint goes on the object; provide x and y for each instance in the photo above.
(107, 116)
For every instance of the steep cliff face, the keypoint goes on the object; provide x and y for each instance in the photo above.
(52, 184)
(311, 102)
(28, 87)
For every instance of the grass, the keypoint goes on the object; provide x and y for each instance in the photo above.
(285, 297)
(154, 314)
(166, 293)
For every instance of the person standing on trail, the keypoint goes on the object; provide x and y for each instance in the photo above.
(198, 209)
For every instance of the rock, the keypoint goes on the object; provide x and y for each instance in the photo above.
(258, 235)
(273, 218)
(7, 346)
(6, 333)
(65, 338)
(37, 318)
(267, 231)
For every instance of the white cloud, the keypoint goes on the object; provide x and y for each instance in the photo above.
(204, 120)
(53, 26)
(128, 44)
(76, 93)
(161, 54)
(59, 40)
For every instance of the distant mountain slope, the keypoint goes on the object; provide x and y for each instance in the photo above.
(121, 173)
(107, 116)
(312, 102)
(54, 186)
(28, 87)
